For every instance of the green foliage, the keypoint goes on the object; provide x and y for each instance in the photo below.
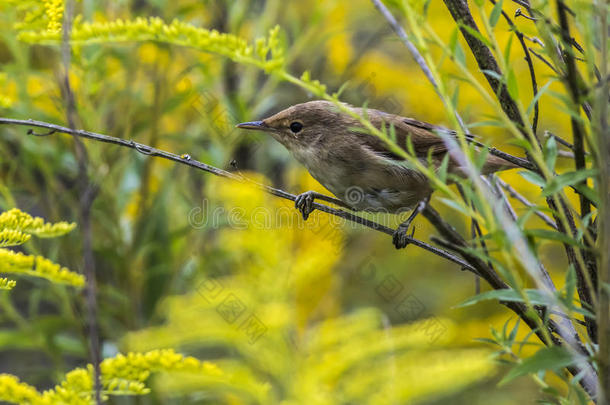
(326, 340)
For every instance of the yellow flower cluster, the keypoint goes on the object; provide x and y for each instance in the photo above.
(16, 228)
(6, 284)
(14, 391)
(54, 9)
(122, 375)
(17, 220)
(18, 263)
(267, 53)
(13, 237)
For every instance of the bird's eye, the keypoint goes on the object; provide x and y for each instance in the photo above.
(296, 127)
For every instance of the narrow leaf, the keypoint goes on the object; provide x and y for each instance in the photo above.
(548, 358)
(536, 297)
(495, 13)
(512, 84)
(541, 91)
(533, 178)
(567, 179)
(550, 153)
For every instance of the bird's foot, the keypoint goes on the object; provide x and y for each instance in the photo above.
(400, 239)
(304, 203)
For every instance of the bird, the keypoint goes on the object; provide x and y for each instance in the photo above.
(359, 168)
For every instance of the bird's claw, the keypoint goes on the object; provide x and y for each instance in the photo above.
(304, 203)
(400, 238)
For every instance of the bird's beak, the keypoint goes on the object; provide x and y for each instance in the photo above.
(258, 125)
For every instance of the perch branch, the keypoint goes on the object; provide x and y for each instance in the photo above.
(187, 160)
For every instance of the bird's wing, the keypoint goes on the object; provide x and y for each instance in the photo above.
(425, 138)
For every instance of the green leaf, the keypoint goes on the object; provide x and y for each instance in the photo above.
(492, 73)
(567, 179)
(541, 91)
(456, 206)
(533, 178)
(458, 54)
(442, 169)
(548, 358)
(536, 297)
(512, 84)
(550, 153)
(588, 192)
(456, 96)
(495, 13)
(552, 235)
(477, 34)
(513, 332)
(507, 50)
(570, 285)
(486, 340)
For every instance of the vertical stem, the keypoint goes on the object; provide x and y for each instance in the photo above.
(571, 82)
(88, 192)
(603, 313)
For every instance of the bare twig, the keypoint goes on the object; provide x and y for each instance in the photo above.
(546, 62)
(559, 140)
(187, 160)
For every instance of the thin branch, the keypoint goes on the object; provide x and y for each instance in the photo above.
(546, 62)
(571, 81)
(559, 140)
(186, 159)
(515, 194)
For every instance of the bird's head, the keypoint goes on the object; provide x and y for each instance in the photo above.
(303, 124)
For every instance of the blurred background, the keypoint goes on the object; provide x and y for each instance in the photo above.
(294, 312)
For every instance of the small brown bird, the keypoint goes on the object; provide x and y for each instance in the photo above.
(357, 167)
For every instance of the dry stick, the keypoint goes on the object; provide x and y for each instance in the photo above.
(578, 133)
(187, 160)
(88, 194)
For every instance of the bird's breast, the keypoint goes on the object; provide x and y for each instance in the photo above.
(370, 187)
